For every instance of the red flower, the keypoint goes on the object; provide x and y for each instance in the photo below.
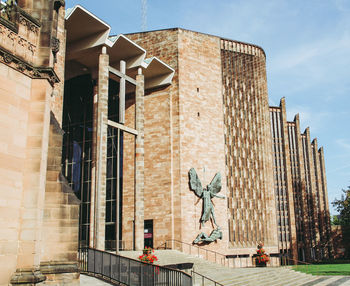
(148, 258)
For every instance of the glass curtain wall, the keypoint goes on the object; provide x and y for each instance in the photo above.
(77, 154)
(77, 146)
(114, 157)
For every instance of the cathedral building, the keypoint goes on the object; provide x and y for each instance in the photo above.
(99, 133)
(303, 219)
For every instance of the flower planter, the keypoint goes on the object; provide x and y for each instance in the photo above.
(148, 256)
(147, 251)
(261, 258)
(260, 264)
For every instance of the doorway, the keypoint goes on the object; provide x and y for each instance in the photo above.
(148, 233)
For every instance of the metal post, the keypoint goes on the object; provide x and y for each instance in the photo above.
(94, 262)
(141, 274)
(119, 268)
(118, 193)
(102, 268)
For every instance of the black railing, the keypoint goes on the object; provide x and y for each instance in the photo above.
(191, 249)
(297, 264)
(119, 269)
(201, 280)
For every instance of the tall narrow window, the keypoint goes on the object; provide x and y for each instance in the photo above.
(77, 146)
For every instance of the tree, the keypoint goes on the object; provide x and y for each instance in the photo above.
(343, 207)
(335, 220)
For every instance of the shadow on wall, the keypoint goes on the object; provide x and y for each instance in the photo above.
(341, 241)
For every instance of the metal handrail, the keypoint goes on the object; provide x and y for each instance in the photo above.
(204, 279)
(299, 262)
(294, 261)
(120, 269)
(302, 265)
(222, 261)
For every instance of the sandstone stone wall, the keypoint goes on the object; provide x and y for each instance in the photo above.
(313, 237)
(198, 135)
(61, 210)
(15, 90)
(30, 87)
(248, 147)
(202, 141)
(160, 146)
(299, 189)
(327, 229)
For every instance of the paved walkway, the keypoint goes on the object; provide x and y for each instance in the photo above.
(91, 281)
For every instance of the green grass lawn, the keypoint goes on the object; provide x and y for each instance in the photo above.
(324, 269)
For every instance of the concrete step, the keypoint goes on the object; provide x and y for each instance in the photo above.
(272, 276)
(336, 280)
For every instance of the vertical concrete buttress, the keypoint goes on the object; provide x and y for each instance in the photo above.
(139, 163)
(101, 151)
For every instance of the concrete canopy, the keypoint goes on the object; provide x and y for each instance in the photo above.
(87, 34)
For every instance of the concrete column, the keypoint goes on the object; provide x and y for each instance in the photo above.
(292, 227)
(93, 167)
(326, 204)
(101, 151)
(122, 94)
(139, 162)
(305, 217)
(313, 192)
(318, 191)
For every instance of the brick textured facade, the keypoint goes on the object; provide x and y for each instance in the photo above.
(198, 99)
(302, 213)
(262, 167)
(248, 146)
(183, 130)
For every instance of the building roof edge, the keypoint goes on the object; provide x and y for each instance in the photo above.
(219, 37)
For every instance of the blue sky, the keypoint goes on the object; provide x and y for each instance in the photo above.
(307, 44)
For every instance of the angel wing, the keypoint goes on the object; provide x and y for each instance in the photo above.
(215, 185)
(195, 183)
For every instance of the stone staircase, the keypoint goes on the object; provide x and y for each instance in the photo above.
(271, 276)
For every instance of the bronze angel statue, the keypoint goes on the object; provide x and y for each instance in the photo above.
(206, 194)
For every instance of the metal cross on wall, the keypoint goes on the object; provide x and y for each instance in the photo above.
(121, 128)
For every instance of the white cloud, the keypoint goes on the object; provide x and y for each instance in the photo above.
(314, 53)
(308, 117)
(344, 143)
(344, 167)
